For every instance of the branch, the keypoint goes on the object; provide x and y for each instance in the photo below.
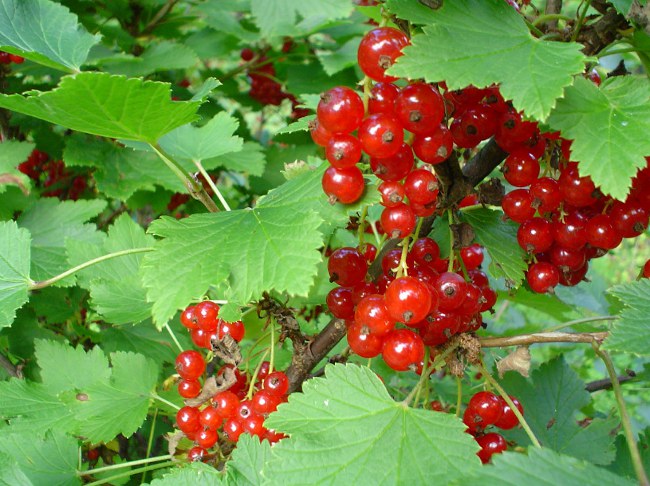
(606, 383)
(598, 35)
(543, 337)
(165, 9)
(11, 370)
(553, 7)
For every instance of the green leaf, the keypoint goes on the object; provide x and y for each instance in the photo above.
(161, 56)
(14, 270)
(247, 461)
(60, 365)
(345, 428)
(110, 106)
(44, 32)
(550, 305)
(51, 460)
(223, 16)
(115, 285)
(551, 399)
(302, 125)
(259, 250)
(194, 474)
(211, 140)
(500, 240)
(343, 57)
(622, 464)
(119, 171)
(414, 12)
(281, 16)
(11, 474)
(630, 333)
(482, 42)
(120, 405)
(250, 159)
(543, 467)
(51, 222)
(12, 153)
(608, 127)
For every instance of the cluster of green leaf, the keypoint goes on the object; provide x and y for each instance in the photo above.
(142, 99)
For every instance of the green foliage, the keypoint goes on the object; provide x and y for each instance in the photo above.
(248, 460)
(13, 153)
(329, 427)
(630, 332)
(482, 42)
(601, 122)
(14, 270)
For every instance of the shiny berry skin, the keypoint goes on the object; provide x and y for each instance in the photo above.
(340, 304)
(646, 270)
(435, 147)
(190, 364)
(535, 235)
(362, 290)
(391, 261)
(601, 232)
(508, 418)
(226, 403)
(347, 267)
(398, 221)
(363, 343)
(521, 169)
(373, 316)
(378, 50)
(196, 453)
(319, 134)
(487, 406)
(421, 186)
(418, 107)
(402, 349)
(565, 259)
(381, 135)
(576, 191)
(233, 429)
(407, 300)
(395, 167)
(572, 232)
(630, 219)
(277, 383)
(472, 256)
(438, 327)
(343, 185)
(188, 419)
(201, 338)
(542, 277)
(206, 315)
(369, 251)
(264, 402)
(210, 418)
(235, 329)
(340, 110)
(392, 193)
(382, 98)
(425, 251)
(343, 150)
(189, 388)
(574, 277)
(254, 425)
(546, 194)
(451, 289)
(491, 444)
(188, 318)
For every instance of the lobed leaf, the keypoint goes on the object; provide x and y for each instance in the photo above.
(12, 153)
(630, 333)
(14, 270)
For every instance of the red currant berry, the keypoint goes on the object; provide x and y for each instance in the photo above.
(362, 342)
(206, 315)
(340, 304)
(254, 425)
(225, 403)
(407, 300)
(508, 418)
(576, 191)
(535, 235)
(196, 454)
(340, 110)
(421, 186)
(235, 329)
(378, 50)
(418, 107)
(188, 318)
(542, 277)
(402, 350)
(392, 193)
(630, 219)
(319, 134)
(395, 167)
(188, 419)
(233, 429)
(601, 232)
(521, 169)
(546, 194)
(398, 221)
(263, 402)
(210, 418)
(277, 383)
(472, 256)
(572, 232)
(343, 150)
(381, 135)
(451, 289)
(487, 406)
(189, 388)
(425, 251)
(438, 328)
(347, 267)
(190, 365)
(382, 98)
(373, 316)
(343, 185)
(435, 147)
(363, 290)
(491, 444)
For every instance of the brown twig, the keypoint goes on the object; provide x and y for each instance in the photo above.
(553, 7)
(11, 370)
(598, 35)
(606, 383)
(543, 337)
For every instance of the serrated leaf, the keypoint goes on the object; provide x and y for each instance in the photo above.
(622, 464)
(11, 474)
(341, 58)
(630, 333)
(247, 461)
(346, 429)
(44, 32)
(118, 406)
(250, 160)
(546, 303)
(12, 153)
(500, 240)
(551, 399)
(115, 285)
(223, 16)
(51, 460)
(543, 467)
(230, 312)
(194, 474)
(608, 127)
(119, 171)
(302, 125)
(60, 365)
(211, 140)
(281, 17)
(482, 42)
(14, 270)
(50, 222)
(106, 105)
(161, 56)
(415, 12)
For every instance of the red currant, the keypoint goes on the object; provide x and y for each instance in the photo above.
(347, 267)
(402, 349)
(407, 300)
(190, 365)
(381, 135)
(340, 110)
(378, 50)
(343, 185)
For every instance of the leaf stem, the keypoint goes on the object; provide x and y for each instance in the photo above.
(122, 465)
(402, 269)
(46, 283)
(545, 18)
(581, 321)
(272, 358)
(251, 387)
(362, 225)
(171, 333)
(511, 404)
(459, 395)
(622, 50)
(450, 219)
(542, 337)
(150, 441)
(132, 472)
(155, 396)
(580, 22)
(212, 185)
(625, 417)
(427, 370)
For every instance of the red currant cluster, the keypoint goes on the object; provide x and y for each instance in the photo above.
(53, 175)
(485, 409)
(264, 87)
(239, 409)
(565, 220)
(432, 303)
(6, 58)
